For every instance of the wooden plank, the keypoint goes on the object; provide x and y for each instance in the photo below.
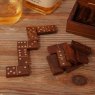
(41, 81)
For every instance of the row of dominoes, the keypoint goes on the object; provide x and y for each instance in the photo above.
(24, 48)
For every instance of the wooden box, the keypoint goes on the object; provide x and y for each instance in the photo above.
(82, 19)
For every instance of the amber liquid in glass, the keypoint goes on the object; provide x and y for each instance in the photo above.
(11, 11)
(41, 9)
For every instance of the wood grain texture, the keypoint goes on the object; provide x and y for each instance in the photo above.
(41, 81)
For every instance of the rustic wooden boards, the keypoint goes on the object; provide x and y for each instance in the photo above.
(42, 82)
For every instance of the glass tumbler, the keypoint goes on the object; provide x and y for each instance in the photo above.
(10, 11)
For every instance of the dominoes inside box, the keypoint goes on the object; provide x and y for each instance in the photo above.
(82, 19)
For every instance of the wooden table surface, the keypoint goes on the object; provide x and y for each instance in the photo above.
(41, 81)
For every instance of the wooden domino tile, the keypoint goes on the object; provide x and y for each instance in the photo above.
(11, 71)
(61, 58)
(23, 53)
(23, 70)
(69, 53)
(47, 29)
(32, 33)
(24, 57)
(81, 47)
(52, 49)
(81, 58)
(54, 64)
(15, 71)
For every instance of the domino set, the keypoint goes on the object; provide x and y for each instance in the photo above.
(66, 57)
(62, 57)
(24, 48)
